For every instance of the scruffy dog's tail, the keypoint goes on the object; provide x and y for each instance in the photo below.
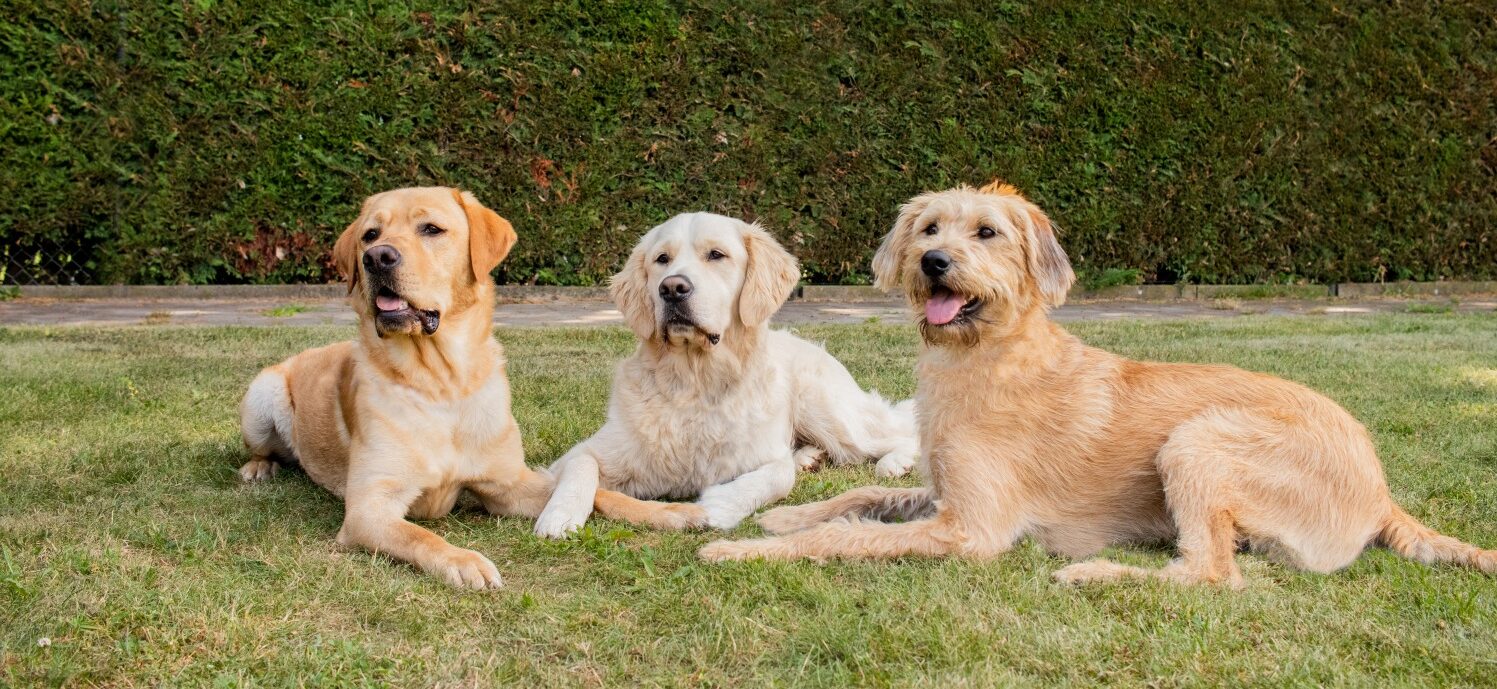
(1404, 535)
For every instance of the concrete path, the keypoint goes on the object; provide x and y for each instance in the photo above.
(261, 312)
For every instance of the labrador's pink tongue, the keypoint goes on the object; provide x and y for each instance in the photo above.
(942, 307)
(390, 303)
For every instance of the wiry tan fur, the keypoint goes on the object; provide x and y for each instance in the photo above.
(721, 408)
(1029, 432)
(399, 423)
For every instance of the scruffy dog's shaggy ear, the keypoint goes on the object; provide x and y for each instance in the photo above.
(629, 293)
(886, 260)
(772, 274)
(490, 237)
(1047, 261)
(346, 253)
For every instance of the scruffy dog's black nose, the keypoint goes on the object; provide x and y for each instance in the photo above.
(383, 257)
(675, 288)
(935, 263)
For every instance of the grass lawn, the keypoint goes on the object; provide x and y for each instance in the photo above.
(127, 541)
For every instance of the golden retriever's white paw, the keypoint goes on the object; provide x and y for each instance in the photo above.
(555, 523)
(724, 509)
(257, 470)
(809, 458)
(724, 551)
(466, 569)
(787, 519)
(1090, 571)
(894, 464)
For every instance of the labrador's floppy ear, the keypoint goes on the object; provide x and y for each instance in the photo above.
(629, 293)
(886, 260)
(771, 275)
(1047, 261)
(346, 253)
(490, 237)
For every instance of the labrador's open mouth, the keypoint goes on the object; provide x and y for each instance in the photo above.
(393, 312)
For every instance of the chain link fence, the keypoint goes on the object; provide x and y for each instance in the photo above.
(41, 260)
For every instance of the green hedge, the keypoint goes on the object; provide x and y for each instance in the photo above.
(1218, 142)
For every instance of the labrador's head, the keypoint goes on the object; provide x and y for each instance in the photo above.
(973, 259)
(416, 253)
(698, 277)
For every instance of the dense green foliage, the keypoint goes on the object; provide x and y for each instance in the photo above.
(212, 141)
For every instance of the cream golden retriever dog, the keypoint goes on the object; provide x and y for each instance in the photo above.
(416, 410)
(1029, 432)
(713, 403)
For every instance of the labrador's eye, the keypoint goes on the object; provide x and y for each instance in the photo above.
(715, 255)
(985, 232)
(932, 229)
(371, 234)
(431, 230)
(663, 259)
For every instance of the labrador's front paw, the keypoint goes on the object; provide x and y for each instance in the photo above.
(466, 569)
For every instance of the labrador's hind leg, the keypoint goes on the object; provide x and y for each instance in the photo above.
(265, 423)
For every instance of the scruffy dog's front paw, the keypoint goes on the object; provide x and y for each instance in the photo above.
(788, 518)
(1088, 572)
(679, 516)
(723, 551)
(466, 569)
(257, 470)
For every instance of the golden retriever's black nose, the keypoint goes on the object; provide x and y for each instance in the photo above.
(381, 258)
(675, 288)
(935, 263)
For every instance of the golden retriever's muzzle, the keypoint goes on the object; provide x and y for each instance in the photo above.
(392, 313)
(675, 292)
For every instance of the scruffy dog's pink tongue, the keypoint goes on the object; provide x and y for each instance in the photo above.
(942, 307)
(389, 303)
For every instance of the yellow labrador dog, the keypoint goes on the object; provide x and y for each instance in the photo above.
(713, 404)
(1029, 432)
(402, 420)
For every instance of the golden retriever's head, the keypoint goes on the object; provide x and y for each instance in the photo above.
(415, 253)
(972, 259)
(698, 276)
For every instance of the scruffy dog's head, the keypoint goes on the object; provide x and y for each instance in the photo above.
(416, 253)
(972, 261)
(699, 277)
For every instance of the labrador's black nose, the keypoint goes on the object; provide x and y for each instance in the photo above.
(381, 258)
(935, 263)
(675, 288)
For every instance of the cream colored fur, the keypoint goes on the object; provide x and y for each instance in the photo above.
(714, 405)
(1030, 433)
(400, 422)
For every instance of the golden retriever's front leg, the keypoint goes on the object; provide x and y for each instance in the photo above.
(846, 539)
(872, 502)
(374, 518)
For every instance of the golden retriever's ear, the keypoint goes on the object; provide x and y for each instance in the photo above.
(346, 254)
(1047, 261)
(772, 274)
(490, 237)
(887, 259)
(629, 293)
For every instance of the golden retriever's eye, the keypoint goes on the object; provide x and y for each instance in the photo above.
(663, 258)
(715, 255)
(371, 234)
(931, 229)
(431, 230)
(985, 232)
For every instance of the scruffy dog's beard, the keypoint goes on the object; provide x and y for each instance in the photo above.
(949, 316)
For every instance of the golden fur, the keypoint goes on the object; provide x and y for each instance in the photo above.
(416, 410)
(1029, 432)
(714, 404)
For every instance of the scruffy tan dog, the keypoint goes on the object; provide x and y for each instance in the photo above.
(415, 411)
(1028, 432)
